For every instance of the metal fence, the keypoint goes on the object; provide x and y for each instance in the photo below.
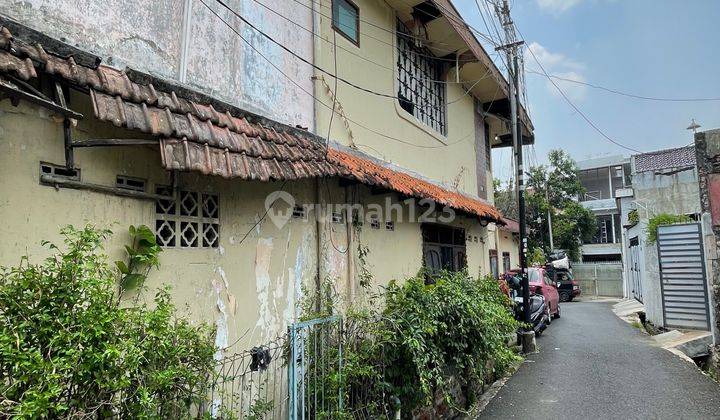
(599, 278)
(297, 376)
(315, 370)
(252, 384)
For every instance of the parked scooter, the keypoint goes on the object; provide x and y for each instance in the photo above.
(538, 311)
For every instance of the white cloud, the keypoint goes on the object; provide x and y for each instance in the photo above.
(557, 64)
(556, 6)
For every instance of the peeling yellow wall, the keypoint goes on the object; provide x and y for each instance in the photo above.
(249, 290)
(250, 287)
(446, 159)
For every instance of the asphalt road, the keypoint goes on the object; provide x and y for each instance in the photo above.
(591, 364)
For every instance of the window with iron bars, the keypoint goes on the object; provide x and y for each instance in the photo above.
(191, 220)
(419, 91)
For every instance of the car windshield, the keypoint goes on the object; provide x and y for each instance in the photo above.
(565, 276)
(534, 275)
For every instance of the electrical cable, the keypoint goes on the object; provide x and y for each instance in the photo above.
(394, 32)
(291, 80)
(308, 62)
(572, 105)
(630, 95)
(362, 57)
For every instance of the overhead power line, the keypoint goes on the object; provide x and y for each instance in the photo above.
(629, 95)
(391, 31)
(572, 105)
(313, 65)
(316, 99)
(362, 57)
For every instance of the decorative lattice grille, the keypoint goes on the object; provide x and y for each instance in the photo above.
(191, 220)
(419, 90)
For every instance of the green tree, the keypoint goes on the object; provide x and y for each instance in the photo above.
(554, 189)
(505, 198)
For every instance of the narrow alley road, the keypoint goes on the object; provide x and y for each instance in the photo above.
(591, 364)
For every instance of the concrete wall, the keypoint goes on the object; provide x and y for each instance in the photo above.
(675, 194)
(707, 150)
(184, 41)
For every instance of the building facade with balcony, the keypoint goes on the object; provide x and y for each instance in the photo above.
(608, 192)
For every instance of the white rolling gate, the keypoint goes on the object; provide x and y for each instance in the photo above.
(682, 276)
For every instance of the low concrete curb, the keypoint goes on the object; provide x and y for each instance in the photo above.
(492, 391)
(683, 343)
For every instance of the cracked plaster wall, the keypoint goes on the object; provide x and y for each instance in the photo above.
(149, 36)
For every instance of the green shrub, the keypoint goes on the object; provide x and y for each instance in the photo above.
(663, 219)
(69, 349)
(404, 352)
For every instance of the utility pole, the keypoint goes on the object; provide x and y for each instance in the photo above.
(527, 338)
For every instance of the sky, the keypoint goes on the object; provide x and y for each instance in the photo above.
(658, 48)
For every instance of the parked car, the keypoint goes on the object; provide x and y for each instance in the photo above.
(568, 287)
(542, 284)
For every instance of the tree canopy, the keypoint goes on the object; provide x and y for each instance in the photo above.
(552, 189)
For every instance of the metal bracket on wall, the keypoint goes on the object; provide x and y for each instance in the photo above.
(16, 91)
(114, 142)
(67, 130)
(60, 182)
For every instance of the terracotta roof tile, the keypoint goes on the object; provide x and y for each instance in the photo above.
(230, 143)
(369, 172)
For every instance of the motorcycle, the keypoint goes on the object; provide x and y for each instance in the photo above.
(538, 311)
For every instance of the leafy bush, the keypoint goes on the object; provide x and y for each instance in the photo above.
(663, 219)
(69, 348)
(403, 354)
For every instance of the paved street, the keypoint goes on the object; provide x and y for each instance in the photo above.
(593, 365)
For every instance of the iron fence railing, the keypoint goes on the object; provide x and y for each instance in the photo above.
(251, 384)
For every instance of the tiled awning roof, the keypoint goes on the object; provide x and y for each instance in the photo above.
(369, 172)
(665, 159)
(199, 133)
(511, 225)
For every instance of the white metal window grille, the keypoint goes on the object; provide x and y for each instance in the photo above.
(191, 220)
(419, 91)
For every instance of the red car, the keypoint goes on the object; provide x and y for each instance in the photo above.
(542, 284)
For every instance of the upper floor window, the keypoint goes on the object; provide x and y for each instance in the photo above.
(420, 91)
(346, 19)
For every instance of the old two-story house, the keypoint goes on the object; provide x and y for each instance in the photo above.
(229, 127)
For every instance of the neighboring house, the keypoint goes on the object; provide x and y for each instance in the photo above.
(504, 254)
(158, 113)
(667, 276)
(606, 180)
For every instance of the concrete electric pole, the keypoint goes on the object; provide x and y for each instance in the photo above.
(527, 338)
